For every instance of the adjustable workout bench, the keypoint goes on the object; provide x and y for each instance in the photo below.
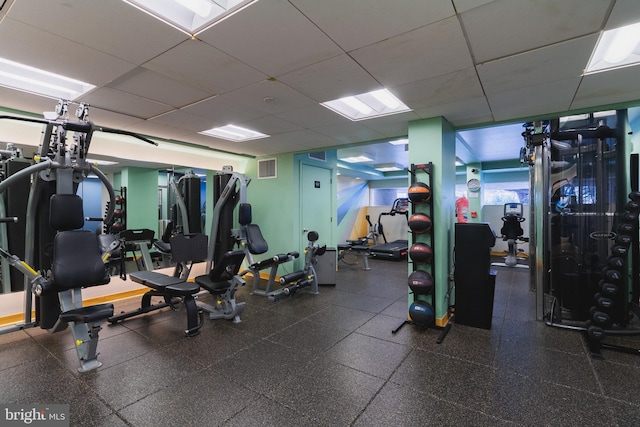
(185, 249)
(357, 248)
(221, 282)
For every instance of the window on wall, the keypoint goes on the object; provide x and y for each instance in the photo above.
(386, 196)
(499, 193)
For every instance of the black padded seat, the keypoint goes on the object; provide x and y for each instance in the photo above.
(183, 289)
(154, 279)
(219, 278)
(360, 248)
(88, 314)
(163, 247)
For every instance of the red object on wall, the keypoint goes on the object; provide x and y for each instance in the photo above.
(462, 209)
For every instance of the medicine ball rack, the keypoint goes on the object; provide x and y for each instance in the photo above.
(427, 238)
(119, 221)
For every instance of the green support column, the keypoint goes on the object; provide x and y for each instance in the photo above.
(474, 171)
(433, 140)
(142, 197)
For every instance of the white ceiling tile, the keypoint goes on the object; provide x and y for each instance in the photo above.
(506, 27)
(334, 78)
(615, 86)
(271, 125)
(125, 103)
(464, 5)
(219, 111)
(154, 86)
(184, 120)
(273, 37)
(443, 89)
(160, 130)
(624, 12)
(112, 27)
(357, 23)
(291, 141)
(312, 116)
(460, 113)
(556, 62)
(546, 98)
(350, 132)
(392, 126)
(430, 51)
(30, 46)
(201, 65)
(270, 97)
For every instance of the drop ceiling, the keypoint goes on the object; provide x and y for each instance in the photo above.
(268, 67)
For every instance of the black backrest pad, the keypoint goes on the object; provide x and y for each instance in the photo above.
(65, 212)
(255, 241)
(77, 260)
(190, 247)
(228, 266)
(244, 214)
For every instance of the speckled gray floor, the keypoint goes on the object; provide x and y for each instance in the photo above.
(330, 360)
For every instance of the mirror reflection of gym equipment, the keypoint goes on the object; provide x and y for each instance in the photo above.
(369, 246)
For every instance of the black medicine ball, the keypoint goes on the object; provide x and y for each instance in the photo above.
(419, 223)
(421, 314)
(419, 192)
(420, 253)
(421, 282)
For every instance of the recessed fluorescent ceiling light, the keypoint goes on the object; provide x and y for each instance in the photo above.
(616, 48)
(367, 105)
(357, 159)
(403, 141)
(388, 167)
(33, 80)
(234, 133)
(190, 16)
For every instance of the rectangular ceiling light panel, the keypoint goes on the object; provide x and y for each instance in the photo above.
(234, 133)
(367, 105)
(24, 78)
(358, 159)
(190, 16)
(616, 48)
(388, 167)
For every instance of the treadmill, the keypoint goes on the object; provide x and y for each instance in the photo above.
(398, 249)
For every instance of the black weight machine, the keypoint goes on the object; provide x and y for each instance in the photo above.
(59, 258)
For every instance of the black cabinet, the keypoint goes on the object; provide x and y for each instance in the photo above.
(474, 279)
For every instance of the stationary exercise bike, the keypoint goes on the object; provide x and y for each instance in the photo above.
(512, 232)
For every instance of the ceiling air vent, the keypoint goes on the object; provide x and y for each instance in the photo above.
(319, 155)
(267, 168)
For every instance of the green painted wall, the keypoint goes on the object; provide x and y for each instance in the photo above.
(433, 140)
(142, 197)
